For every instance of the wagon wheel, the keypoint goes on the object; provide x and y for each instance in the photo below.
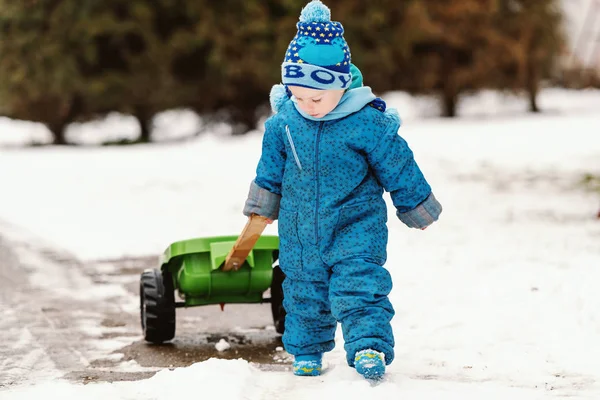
(277, 300)
(157, 306)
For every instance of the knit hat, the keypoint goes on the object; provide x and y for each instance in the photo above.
(318, 57)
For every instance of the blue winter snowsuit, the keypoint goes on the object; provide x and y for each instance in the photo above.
(324, 180)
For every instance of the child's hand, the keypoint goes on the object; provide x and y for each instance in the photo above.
(269, 221)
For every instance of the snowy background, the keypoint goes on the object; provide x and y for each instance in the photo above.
(498, 299)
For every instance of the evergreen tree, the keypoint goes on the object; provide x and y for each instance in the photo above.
(457, 50)
(39, 78)
(380, 35)
(534, 28)
(64, 60)
(453, 46)
(67, 60)
(128, 66)
(238, 48)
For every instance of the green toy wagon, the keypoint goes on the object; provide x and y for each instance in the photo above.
(214, 270)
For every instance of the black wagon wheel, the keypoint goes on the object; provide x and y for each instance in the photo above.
(277, 300)
(157, 306)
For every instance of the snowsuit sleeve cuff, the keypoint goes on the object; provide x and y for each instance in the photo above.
(262, 202)
(423, 215)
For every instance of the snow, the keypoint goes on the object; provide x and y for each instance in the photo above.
(222, 345)
(497, 300)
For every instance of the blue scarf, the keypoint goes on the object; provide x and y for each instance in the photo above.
(352, 101)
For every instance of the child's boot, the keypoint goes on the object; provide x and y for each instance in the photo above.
(370, 363)
(308, 364)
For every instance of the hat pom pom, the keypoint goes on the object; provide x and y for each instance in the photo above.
(315, 11)
(278, 97)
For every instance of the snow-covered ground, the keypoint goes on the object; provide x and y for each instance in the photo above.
(497, 300)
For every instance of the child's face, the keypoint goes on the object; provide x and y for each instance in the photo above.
(316, 103)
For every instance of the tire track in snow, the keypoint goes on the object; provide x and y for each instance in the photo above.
(50, 318)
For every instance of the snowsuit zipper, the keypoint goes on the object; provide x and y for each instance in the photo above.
(317, 180)
(289, 136)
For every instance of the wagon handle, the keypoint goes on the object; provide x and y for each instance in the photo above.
(245, 242)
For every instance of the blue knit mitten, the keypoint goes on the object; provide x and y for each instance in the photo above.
(370, 363)
(308, 365)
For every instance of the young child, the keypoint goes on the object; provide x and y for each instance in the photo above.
(329, 152)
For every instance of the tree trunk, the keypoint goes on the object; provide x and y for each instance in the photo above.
(243, 121)
(449, 87)
(58, 130)
(144, 119)
(68, 114)
(144, 131)
(532, 85)
(533, 106)
(450, 100)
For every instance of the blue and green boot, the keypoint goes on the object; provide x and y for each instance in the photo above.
(370, 363)
(308, 364)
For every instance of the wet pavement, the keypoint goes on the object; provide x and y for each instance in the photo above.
(60, 317)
